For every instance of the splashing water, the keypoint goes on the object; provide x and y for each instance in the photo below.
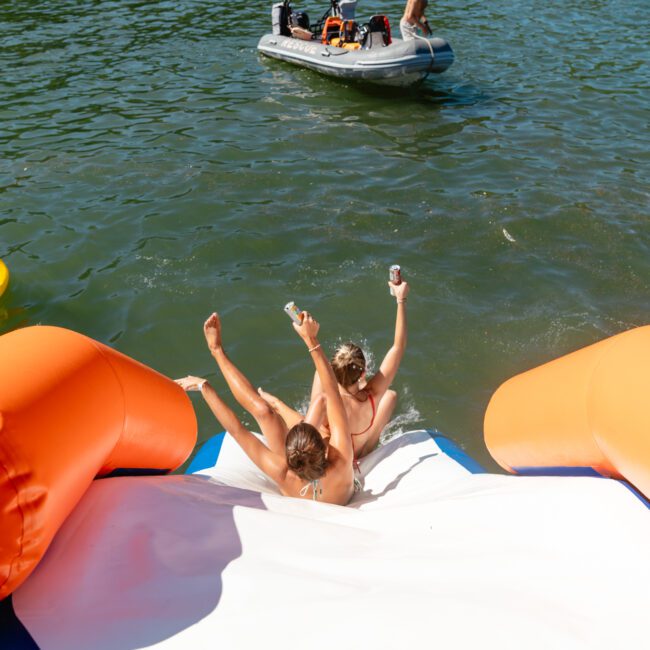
(407, 418)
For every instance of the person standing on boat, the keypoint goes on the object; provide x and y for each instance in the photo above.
(369, 403)
(414, 20)
(297, 459)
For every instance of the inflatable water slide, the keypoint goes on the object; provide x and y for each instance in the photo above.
(102, 547)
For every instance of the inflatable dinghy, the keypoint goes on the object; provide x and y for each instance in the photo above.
(344, 49)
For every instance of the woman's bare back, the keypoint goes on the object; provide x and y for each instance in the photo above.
(368, 415)
(335, 486)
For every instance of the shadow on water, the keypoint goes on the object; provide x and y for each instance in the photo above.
(433, 91)
(22, 306)
(11, 316)
(436, 90)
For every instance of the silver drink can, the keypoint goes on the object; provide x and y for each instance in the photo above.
(395, 276)
(293, 312)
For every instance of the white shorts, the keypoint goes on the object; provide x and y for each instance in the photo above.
(409, 31)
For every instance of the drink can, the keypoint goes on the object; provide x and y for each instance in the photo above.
(293, 312)
(395, 276)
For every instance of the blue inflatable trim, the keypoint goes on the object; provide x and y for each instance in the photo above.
(454, 452)
(207, 455)
(576, 471)
(12, 632)
(636, 493)
(556, 471)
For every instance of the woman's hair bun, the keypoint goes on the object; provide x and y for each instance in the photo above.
(348, 364)
(296, 458)
(306, 451)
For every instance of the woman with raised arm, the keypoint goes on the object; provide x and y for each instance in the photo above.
(299, 460)
(369, 404)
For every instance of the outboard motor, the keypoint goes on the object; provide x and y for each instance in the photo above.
(299, 19)
(280, 18)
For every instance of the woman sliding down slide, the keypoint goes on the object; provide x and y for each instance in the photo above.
(298, 460)
(369, 404)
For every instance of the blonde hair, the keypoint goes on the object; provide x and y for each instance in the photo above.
(348, 364)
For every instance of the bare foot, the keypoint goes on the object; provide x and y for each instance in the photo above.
(212, 331)
(271, 400)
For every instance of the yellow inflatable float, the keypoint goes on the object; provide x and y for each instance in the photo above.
(4, 277)
(588, 410)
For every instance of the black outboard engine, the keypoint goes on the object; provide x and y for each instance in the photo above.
(299, 19)
(280, 13)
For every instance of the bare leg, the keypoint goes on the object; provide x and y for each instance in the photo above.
(271, 424)
(316, 415)
(316, 388)
(289, 415)
(385, 410)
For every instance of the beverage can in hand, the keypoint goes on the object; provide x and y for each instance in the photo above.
(293, 312)
(395, 276)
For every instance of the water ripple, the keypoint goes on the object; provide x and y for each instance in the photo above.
(156, 166)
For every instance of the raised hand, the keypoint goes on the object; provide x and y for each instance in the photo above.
(400, 290)
(212, 331)
(308, 329)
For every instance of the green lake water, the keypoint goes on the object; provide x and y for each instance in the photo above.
(155, 168)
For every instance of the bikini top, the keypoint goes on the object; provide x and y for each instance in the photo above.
(372, 419)
(315, 486)
(355, 460)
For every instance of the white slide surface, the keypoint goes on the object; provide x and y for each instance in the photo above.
(427, 555)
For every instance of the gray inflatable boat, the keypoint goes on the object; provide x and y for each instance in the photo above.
(377, 58)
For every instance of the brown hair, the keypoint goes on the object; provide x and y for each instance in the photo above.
(348, 364)
(306, 451)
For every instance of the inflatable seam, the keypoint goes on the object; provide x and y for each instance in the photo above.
(106, 358)
(588, 407)
(19, 507)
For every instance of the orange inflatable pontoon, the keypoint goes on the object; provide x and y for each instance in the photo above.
(72, 409)
(588, 409)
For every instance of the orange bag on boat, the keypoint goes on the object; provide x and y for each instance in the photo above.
(331, 29)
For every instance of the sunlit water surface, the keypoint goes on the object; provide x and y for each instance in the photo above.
(156, 168)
